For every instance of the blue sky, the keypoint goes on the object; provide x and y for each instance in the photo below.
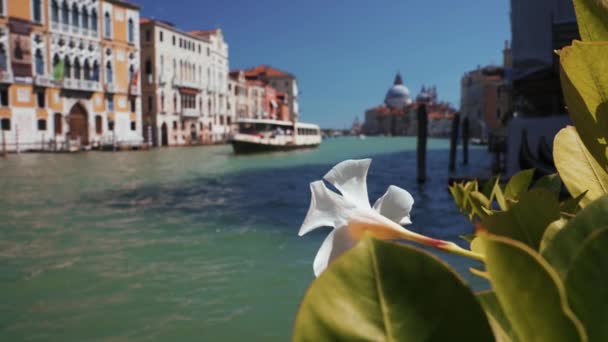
(345, 53)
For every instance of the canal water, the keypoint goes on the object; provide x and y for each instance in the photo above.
(183, 244)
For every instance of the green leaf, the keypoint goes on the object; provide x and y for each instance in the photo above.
(591, 17)
(478, 203)
(552, 229)
(577, 168)
(382, 291)
(584, 76)
(587, 286)
(518, 184)
(530, 292)
(488, 187)
(568, 241)
(498, 320)
(527, 220)
(551, 183)
(500, 198)
(571, 205)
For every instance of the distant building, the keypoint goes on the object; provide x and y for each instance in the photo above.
(221, 117)
(398, 114)
(177, 108)
(282, 81)
(69, 74)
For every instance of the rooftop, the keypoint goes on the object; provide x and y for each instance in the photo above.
(266, 71)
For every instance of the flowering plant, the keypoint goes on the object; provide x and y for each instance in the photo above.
(545, 260)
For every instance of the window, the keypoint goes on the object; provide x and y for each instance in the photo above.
(6, 124)
(85, 18)
(3, 63)
(54, 11)
(173, 40)
(87, 70)
(199, 51)
(133, 125)
(160, 35)
(109, 78)
(131, 32)
(77, 68)
(208, 51)
(181, 43)
(40, 98)
(39, 62)
(110, 102)
(37, 10)
(149, 103)
(67, 68)
(133, 104)
(162, 102)
(174, 124)
(174, 103)
(75, 16)
(65, 13)
(131, 73)
(107, 25)
(58, 123)
(110, 126)
(148, 67)
(41, 124)
(98, 124)
(95, 76)
(94, 21)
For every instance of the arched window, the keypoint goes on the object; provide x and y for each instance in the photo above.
(75, 15)
(67, 68)
(94, 20)
(65, 13)
(39, 62)
(54, 11)
(87, 70)
(109, 78)
(85, 18)
(37, 10)
(107, 25)
(131, 31)
(174, 103)
(77, 73)
(162, 102)
(3, 62)
(95, 76)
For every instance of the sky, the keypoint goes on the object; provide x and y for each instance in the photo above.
(345, 53)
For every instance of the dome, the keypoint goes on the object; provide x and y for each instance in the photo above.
(397, 96)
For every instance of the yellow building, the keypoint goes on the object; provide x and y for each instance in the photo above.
(69, 74)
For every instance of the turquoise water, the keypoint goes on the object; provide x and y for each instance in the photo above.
(184, 244)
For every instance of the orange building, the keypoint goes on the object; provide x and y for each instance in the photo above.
(69, 73)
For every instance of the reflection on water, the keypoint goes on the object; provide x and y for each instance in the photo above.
(190, 243)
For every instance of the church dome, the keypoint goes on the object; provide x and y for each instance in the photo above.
(397, 96)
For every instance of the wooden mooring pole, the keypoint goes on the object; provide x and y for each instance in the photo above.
(422, 137)
(454, 141)
(465, 141)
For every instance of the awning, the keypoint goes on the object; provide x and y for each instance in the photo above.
(189, 91)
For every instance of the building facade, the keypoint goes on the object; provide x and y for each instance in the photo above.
(285, 83)
(175, 80)
(69, 74)
(221, 116)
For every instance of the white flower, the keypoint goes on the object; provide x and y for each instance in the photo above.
(352, 215)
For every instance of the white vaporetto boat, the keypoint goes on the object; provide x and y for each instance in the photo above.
(265, 135)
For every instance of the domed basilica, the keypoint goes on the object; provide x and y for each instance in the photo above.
(397, 116)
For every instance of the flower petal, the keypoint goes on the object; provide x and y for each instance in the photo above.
(349, 177)
(327, 209)
(334, 245)
(395, 204)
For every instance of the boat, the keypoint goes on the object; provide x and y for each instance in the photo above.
(267, 135)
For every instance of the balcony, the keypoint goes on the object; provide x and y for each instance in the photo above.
(190, 112)
(65, 27)
(54, 25)
(110, 87)
(6, 77)
(186, 84)
(82, 85)
(43, 81)
(89, 85)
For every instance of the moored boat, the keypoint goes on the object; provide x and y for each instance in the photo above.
(265, 135)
